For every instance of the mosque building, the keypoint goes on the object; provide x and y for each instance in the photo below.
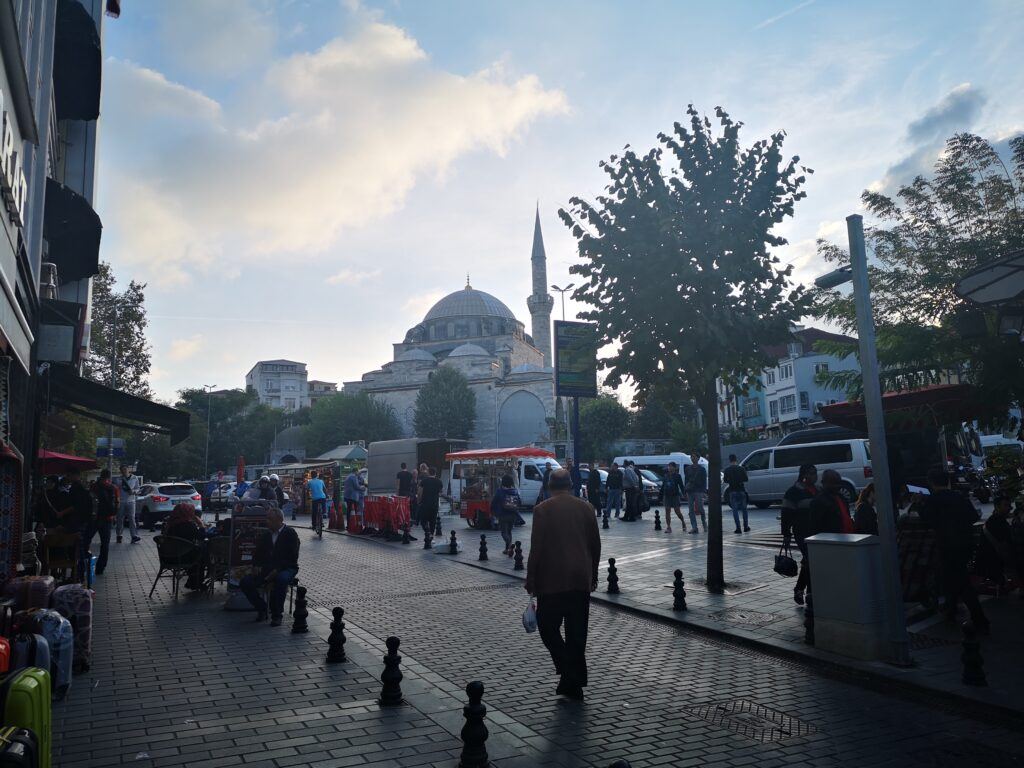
(509, 370)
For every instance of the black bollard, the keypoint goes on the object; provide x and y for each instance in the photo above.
(974, 665)
(453, 545)
(604, 522)
(474, 732)
(336, 640)
(809, 619)
(391, 677)
(428, 540)
(678, 593)
(657, 520)
(405, 534)
(483, 547)
(437, 526)
(613, 577)
(519, 557)
(300, 614)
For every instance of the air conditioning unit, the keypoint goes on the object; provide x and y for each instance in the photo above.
(818, 405)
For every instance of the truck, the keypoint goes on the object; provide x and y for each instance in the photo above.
(385, 458)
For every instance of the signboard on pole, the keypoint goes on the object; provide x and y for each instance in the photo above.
(248, 521)
(105, 447)
(575, 359)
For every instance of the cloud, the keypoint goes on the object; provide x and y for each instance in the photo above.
(419, 305)
(218, 37)
(324, 142)
(185, 349)
(784, 14)
(352, 276)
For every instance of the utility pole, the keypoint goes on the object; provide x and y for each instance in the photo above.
(209, 406)
(113, 385)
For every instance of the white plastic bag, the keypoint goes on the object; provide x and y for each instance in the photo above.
(530, 617)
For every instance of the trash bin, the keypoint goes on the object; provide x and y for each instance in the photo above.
(846, 582)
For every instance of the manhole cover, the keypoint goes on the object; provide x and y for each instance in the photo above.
(749, 618)
(919, 641)
(751, 720)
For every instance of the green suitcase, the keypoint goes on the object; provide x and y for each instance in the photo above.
(25, 703)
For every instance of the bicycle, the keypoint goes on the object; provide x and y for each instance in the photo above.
(318, 517)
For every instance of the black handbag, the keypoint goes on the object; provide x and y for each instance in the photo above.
(785, 565)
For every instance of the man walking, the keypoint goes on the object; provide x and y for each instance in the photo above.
(575, 477)
(565, 549)
(696, 486)
(353, 492)
(594, 487)
(277, 560)
(736, 485)
(671, 494)
(630, 486)
(128, 485)
(106, 511)
(428, 500)
(614, 488)
(796, 509)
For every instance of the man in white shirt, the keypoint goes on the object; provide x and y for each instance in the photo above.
(128, 487)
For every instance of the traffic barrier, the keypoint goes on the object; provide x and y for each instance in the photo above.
(391, 677)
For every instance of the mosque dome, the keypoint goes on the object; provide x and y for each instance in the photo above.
(469, 302)
(415, 356)
(469, 350)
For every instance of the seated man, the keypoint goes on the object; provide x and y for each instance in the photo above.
(276, 561)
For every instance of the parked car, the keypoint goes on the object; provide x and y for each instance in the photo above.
(223, 495)
(585, 475)
(156, 500)
(652, 486)
(771, 471)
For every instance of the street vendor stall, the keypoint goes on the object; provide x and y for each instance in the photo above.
(476, 475)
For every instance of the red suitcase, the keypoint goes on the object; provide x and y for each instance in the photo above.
(74, 602)
(30, 591)
(5, 655)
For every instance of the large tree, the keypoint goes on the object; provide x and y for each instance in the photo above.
(120, 315)
(345, 418)
(603, 420)
(677, 262)
(446, 406)
(928, 236)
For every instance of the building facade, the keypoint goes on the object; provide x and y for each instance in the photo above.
(508, 370)
(321, 389)
(280, 384)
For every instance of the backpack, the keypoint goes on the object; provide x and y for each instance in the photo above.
(509, 502)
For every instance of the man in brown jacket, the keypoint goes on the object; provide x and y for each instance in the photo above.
(565, 549)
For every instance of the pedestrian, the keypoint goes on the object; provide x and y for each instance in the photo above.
(829, 510)
(631, 488)
(317, 498)
(505, 507)
(865, 518)
(613, 486)
(544, 483)
(995, 549)
(276, 562)
(561, 572)
(952, 516)
(594, 487)
(428, 499)
(353, 492)
(796, 507)
(403, 482)
(672, 493)
(106, 511)
(76, 517)
(575, 476)
(696, 487)
(736, 490)
(128, 487)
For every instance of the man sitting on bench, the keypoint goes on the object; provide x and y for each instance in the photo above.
(276, 561)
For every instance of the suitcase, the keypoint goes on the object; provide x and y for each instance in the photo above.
(61, 639)
(25, 703)
(5, 657)
(30, 591)
(18, 747)
(28, 650)
(74, 603)
(7, 609)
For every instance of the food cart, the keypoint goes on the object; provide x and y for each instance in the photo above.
(476, 476)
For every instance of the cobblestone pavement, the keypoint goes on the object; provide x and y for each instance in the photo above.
(185, 683)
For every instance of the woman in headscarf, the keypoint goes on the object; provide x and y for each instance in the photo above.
(184, 523)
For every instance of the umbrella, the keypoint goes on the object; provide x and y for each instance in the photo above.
(53, 463)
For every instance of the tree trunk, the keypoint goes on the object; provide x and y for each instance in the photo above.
(716, 570)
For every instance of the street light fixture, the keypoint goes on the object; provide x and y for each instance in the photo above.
(208, 388)
(857, 271)
(563, 291)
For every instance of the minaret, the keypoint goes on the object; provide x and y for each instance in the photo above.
(540, 302)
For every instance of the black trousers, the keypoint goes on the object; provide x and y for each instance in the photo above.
(630, 513)
(568, 653)
(428, 517)
(957, 587)
(803, 581)
(102, 527)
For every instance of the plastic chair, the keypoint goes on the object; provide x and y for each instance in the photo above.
(60, 554)
(218, 554)
(177, 558)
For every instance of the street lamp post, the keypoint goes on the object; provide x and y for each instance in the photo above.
(209, 404)
(563, 291)
(857, 270)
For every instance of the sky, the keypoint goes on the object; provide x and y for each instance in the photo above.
(303, 179)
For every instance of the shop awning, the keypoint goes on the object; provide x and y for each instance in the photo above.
(77, 63)
(111, 406)
(523, 452)
(72, 230)
(53, 463)
(997, 282)
(912, 410)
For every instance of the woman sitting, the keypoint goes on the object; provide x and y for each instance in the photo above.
(184, 523)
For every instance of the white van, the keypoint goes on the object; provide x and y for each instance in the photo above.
(772, 471)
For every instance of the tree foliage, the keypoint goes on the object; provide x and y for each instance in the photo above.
(928, 236)
(445, 406)
(603, 420)
(676, 262)
(346, 418)
(133, 350)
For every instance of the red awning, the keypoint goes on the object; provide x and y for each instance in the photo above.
(52, 463)
(523, 452)
(912, 409)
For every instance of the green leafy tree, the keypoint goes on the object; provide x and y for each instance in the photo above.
(445, 406)
(928, 236)
(686, 435)
(678, 267)
(345, 418)
(603, 420)
(128, 308)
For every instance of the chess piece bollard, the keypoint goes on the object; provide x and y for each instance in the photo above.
(613, 577)
(405, 534)
(428, 540)
(974, 665)
(453, 545)
(437, 526)
(678, 592)
(300, 614)
(391, 677)
(604, 522)
(483, 547)
(518, 557)
(474, 732)
(336, 640)
(809, 619)
(657, 520)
